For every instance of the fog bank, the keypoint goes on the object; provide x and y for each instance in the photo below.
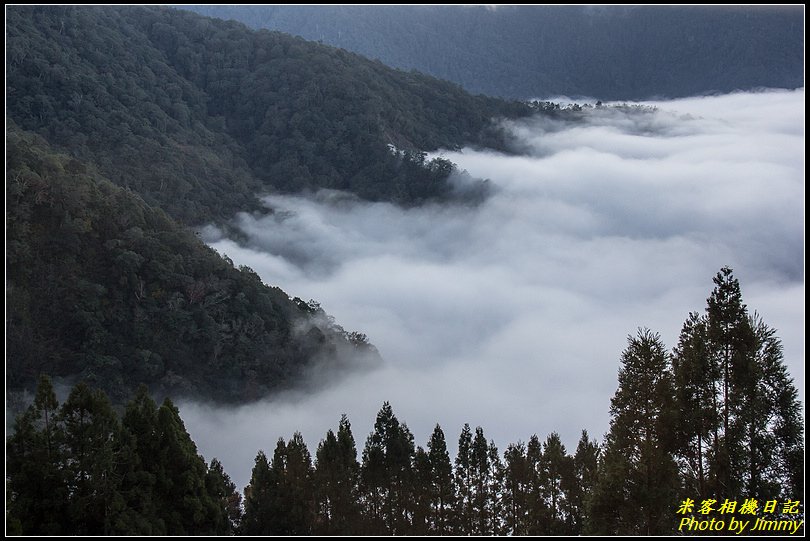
(512, 315)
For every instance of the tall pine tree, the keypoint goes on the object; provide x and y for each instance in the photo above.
(442, 487)
(293, 505)
(730, 341)
(638, 479)
(336, 483)
(223, 491)
(386, 474)
(484, 474)
(38, 493)
(556, 470)
(769, 421)
(92, 441)
(259, 494)
(585, 462)
(740, 429)
(139, 481)
(464, 483)
(537, 510)
(183, 503)
(698, 424)
(421, 493)
(516, 484)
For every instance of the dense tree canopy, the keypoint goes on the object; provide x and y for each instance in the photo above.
(191, 118)
(103, 288)
(198, 115)
(79, 470)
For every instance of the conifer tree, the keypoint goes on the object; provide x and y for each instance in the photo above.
(336, 483)
(484, 471)
(258, 498)
(516, 484)
(139, 478)
(181, 498)
(731, 342)
(293, 502)
(769, 421)
(637, 475)
(698, 423)
(421, 493)
(223, 491)
(496, 490)
(386, 474)
(464, 483)
(497, 524)
(91, 441)
(537, 510)
(556, 470)
(740, 428)
(442, 489)
(585, 463)
(34, 459)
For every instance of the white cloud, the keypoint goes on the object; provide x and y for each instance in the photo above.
(513, 315)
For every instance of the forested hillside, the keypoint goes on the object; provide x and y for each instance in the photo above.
(716, 422)
(608, 52)
(129, 126)
(197, 115)
(191, 118)
(104, 288)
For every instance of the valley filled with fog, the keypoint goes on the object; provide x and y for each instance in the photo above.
(512, 314)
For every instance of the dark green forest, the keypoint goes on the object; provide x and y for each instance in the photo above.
(103, 288)
(77, 469)
(715, 420)
(525, 52)
(198, 115)
(127, 125)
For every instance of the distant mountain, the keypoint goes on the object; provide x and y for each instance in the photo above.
(609, 52)
(125, 125)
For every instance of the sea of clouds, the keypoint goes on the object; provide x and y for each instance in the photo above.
(512, 314)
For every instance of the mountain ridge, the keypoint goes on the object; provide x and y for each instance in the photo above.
(526, 52)
(129, 124)
(105, 289)
(199, 115)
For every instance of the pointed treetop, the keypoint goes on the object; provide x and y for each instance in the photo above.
(725, 303)
(46, 397)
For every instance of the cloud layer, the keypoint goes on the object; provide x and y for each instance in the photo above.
(512, 315)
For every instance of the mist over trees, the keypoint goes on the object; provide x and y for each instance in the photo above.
(76, 468)
(128, 124)
(105, 289)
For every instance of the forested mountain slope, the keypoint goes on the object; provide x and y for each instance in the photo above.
(197, 115)
(103, 288)
(610, 52)
(191, 118)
